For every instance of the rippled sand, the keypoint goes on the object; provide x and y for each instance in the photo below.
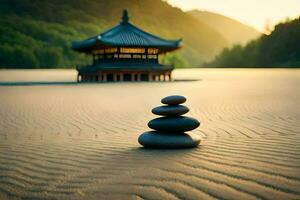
(79, 141)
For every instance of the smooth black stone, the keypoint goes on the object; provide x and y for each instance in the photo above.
(155, 139)
(171, 110)
(173, 100)
(174, 124)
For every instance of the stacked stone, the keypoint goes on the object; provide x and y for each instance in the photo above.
(170, 130)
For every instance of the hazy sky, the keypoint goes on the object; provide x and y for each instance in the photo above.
(251, 12)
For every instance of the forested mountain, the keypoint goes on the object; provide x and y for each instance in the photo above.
(279, 49)
(38, 33)
(234, 31)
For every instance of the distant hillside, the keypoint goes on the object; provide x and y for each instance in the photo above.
(279, 49)
(234, 31)
(38, 33)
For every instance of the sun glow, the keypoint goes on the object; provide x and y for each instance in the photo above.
(256, 13)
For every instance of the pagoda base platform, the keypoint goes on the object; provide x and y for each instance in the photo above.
(120, 74)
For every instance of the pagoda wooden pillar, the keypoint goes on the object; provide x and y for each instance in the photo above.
(132, 77)
(104, 77)
(155, 78)
(99, 77)
(121, 77)
(150, 77)
(138, 77)
(115, 78)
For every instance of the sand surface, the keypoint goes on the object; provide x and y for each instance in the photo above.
(79, 141)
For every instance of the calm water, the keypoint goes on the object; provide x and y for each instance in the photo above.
(63, 140)
(61, 75)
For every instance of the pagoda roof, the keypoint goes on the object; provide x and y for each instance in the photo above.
(126, 35)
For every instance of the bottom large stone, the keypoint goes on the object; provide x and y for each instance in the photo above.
(158, 140)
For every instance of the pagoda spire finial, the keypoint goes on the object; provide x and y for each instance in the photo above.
(125, 17)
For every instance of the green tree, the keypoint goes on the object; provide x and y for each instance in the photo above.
(174, 60)
(279, 49)
(18, 57)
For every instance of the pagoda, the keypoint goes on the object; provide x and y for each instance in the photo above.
(125, 53)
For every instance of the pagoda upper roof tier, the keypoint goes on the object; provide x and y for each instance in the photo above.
(126, 35)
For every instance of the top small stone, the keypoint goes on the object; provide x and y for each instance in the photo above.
(173, 100)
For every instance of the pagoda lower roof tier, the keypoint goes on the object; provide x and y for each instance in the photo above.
(125, 67)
